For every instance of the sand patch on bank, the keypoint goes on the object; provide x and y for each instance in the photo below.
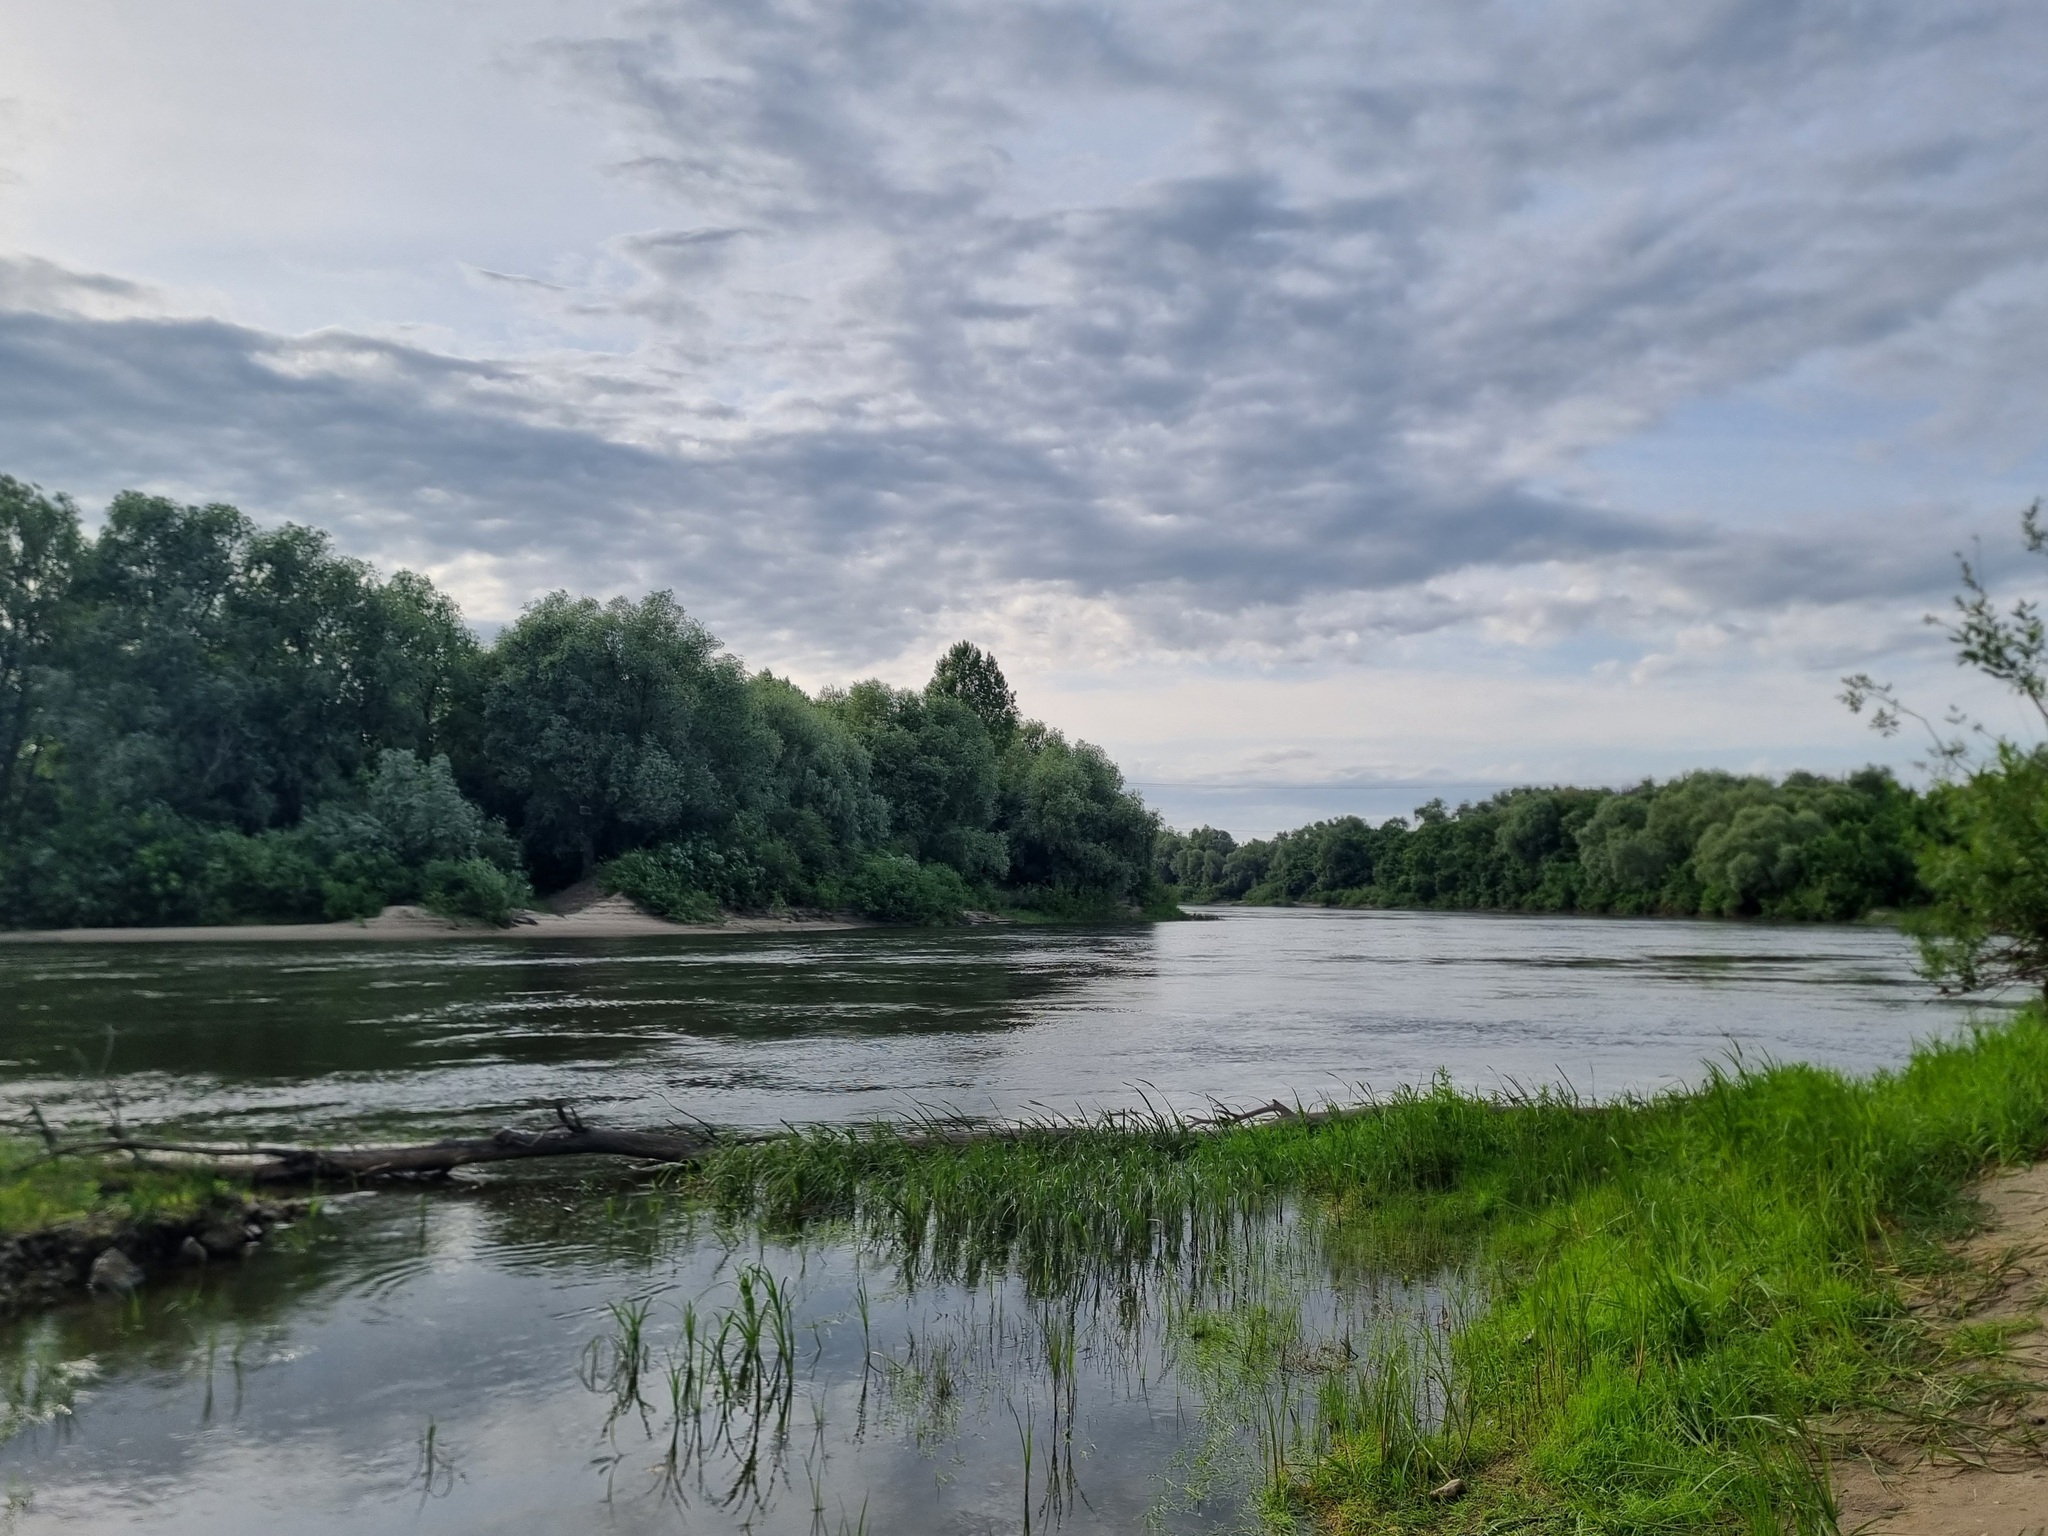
(578, 913)
(2003, 1490)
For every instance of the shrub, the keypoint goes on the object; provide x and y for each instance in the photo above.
(474, 888)
(423, 815)
(895, 888)
(277, 875)
(666, 880)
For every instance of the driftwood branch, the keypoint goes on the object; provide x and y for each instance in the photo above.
(570, 1136)
(49, 1136)
(300, 1164)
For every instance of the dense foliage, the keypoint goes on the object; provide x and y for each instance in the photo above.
(206, 721)
(1715, 843)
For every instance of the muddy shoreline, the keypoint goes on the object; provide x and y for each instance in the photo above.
(114, 1255)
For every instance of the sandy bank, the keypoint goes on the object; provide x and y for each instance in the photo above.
(606, 917)
(1964, 1483)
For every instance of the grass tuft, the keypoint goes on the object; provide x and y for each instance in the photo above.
(37, 1193)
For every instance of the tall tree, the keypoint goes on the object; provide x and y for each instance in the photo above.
(935, 766)
(39, 543)
(612, 725)
(968, 673)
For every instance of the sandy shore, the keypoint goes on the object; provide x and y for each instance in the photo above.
(608, 917)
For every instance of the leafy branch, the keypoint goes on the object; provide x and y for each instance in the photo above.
(2009, 646)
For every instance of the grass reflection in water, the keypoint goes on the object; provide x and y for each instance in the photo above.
(730, 1398)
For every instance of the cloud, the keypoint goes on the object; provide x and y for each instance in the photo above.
(1185, 329)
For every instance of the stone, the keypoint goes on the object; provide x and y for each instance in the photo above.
(191, 1251)
(113, 1271)
(223, 1239)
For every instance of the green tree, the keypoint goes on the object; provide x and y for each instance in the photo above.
(1344, 855)
(1071, 825)
(1757, 855)
(238, 674)
(935, 766)
(821, 799)
(420, 669)
(39, 544)
(1195, 863)
(1987, 866)
(970, 674)
(1985, 860)
(610, 726)
(1245, 868)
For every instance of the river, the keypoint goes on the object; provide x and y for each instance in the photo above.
(450, 1360)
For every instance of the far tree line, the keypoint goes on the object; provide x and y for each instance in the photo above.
(1708, 844)
(1964, 863)
(206, 721)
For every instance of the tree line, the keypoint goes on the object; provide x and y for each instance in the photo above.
(205, 721)
(1963, 862)
(1707, 843)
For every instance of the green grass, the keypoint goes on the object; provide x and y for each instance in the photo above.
(1678, 1297)
(36, 1194)
(1062, 1203)
(1667, 1342)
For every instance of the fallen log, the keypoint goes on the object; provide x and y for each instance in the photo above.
(270, 1163)
(289, 1163)
(298, 1165)
(261, 1164)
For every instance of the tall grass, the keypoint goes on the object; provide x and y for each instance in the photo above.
(728, 1374)
(1063, 1204)
(1665, 1338)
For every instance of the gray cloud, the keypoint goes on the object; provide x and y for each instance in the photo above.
(1209, 315)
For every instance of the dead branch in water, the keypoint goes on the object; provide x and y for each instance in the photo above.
(274, 1163)
(270, 1163)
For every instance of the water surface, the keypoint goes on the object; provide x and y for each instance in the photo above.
(448, 1360)
(318, 1039)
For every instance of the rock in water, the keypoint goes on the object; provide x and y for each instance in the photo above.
(224, 1238)
(114, 1271)
(191, 1251)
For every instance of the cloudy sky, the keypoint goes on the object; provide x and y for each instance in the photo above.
(1322, 405)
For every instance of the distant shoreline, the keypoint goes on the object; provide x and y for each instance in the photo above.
(612, 918)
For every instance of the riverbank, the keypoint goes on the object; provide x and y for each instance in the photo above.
(1691, 1310)
(1991, 1298)
(1715, 1309)
(584, 911)
(71, 1225)
(609, 917)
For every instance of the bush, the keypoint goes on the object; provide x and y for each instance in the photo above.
(668, 880)
(105, 867)
(1987, 865)
(692, 879)
(422, 815)
(474, 888)
(277, 875)
(895, 888)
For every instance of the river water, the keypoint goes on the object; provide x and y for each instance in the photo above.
(453, 1360)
